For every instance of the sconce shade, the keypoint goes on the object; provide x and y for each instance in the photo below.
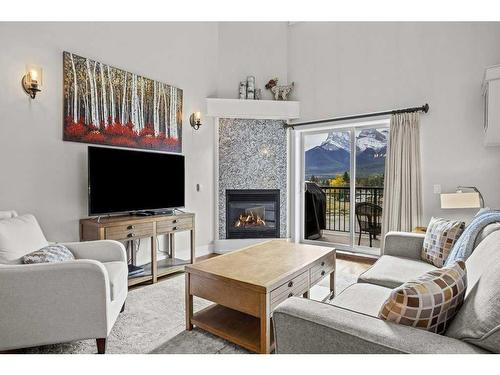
(460, 200)
(32, 80)
(195, 120)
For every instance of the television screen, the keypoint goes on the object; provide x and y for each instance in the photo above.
(122, 180)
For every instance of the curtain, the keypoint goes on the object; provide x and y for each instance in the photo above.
(402, 206)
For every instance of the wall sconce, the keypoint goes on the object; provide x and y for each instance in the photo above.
(32, 80)
(195, 120)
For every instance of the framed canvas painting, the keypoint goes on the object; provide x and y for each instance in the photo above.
(110, 106)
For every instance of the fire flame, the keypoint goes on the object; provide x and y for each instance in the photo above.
(249, 219)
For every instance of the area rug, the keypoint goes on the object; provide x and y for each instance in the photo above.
(154, 322)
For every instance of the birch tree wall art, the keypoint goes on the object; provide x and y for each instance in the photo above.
(110, 106)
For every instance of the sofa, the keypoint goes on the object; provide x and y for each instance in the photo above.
(349, 322)
(48, 303)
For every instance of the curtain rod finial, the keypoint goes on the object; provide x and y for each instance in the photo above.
(426, 108)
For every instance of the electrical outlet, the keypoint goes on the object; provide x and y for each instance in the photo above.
(437, 189)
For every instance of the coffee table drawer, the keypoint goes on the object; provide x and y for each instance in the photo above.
(322, 268)
(129, 231)
(295, 287)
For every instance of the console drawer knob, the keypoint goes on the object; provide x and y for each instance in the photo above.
(322, 264)
(323, 273)
(290, 295)
(174, 228)
(131, 235)
(131, 227)
(290, 284)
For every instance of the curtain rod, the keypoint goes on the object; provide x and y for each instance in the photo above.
(424, 108)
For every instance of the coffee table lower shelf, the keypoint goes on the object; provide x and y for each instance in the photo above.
(235, 326)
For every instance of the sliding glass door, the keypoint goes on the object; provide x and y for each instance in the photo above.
(343, 185)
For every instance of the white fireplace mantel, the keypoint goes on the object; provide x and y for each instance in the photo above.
(252, 109)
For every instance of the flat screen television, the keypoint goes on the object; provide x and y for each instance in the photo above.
(130, 181)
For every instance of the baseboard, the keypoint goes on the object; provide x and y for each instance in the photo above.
(227, 246)
(204, 250)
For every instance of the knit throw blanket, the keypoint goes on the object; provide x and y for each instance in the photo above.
(465, 244)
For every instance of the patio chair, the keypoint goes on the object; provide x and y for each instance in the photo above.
(368, 216)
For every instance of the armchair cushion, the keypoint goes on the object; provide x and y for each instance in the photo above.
(49, 254)
(391, 271)
(118, 275)
(7, 214)
(19, 236)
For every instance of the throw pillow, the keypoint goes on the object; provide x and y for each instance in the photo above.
(439, 239)
(49, 254)
(19, 236)
(428, 302)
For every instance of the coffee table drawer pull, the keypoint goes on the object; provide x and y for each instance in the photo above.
(290, 295)
(323, 273)
(290, 284)
(131, 227)
(322, 264)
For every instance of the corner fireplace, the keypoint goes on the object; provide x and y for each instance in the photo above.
(253, 213)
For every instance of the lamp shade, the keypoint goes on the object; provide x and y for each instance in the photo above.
(460, 200)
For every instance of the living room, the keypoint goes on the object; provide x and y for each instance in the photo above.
(185, 187)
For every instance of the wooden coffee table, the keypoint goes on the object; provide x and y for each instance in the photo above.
(248, 284)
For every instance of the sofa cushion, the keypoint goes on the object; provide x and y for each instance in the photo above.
(118, 274)
(440, 237)
(390, 271)
(49, 254)
(362, 298)
(19, 236)
(478, 321)
(429, 302)
(485, 232)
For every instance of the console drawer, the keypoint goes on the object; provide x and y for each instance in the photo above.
(167, 226)
(295, 287)
(323, 267)
(129, 231)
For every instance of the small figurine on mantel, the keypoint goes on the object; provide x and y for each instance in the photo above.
(280, 92)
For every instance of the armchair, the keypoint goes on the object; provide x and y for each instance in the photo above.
(50, 303)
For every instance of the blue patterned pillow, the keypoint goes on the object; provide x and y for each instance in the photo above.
(49, 254)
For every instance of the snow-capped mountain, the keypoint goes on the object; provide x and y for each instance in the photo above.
(332, 156)
(367, 138)
(337, 141)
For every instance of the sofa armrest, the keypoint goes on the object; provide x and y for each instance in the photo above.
(306, 326)
(101, 250)
(53, 302)
(403, 244)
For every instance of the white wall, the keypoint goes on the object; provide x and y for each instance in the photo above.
(40, 173)
(251, 48)
(349, 68)
(339, 68)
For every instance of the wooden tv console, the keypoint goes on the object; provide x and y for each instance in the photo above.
(128, 228)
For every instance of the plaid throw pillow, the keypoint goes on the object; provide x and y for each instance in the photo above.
(430, 301)
(439, 239)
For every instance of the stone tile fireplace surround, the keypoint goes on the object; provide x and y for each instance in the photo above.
(252, 156)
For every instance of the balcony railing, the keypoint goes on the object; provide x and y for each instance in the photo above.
(338, 201)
